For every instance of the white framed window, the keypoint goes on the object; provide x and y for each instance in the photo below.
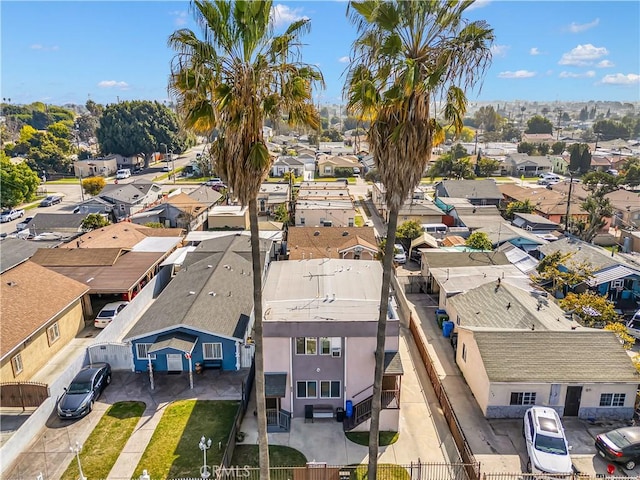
(351, 222)
(307, 389)
(327, 169)
(16, 363)
(329, 389)
(212, 351)
(523, 398)
(612, 399)
(331, 346)
(53, 333)
(301, 220)
(142, 351)
(306, 346)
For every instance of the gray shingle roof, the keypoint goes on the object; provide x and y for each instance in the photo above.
(598, 257)
(14, 251)
(570, 356)
(212, 294)
(49, 222)
(440, 259)
(393, 363)
(471, 189)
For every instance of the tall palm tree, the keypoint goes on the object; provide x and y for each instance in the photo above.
(409, 59)
(229, 81)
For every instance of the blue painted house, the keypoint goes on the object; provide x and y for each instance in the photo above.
(204, 317)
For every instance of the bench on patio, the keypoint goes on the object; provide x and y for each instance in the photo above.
(214, 364)
(322, 411)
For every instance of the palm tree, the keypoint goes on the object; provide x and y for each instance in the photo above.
(409, 54)
(229, 81)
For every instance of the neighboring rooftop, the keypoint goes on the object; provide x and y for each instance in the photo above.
(325, 242)
(14, 251)
(440, 258)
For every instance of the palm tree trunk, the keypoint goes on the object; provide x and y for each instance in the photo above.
(381, 335)
(263, 440)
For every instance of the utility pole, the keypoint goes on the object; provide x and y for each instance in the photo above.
(566, 219)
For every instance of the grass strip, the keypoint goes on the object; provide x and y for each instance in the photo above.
(362, 438)
(102, 448)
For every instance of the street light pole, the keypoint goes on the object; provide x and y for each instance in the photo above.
(566, 220)
(204, 446)
(173, 166)
(77, 449)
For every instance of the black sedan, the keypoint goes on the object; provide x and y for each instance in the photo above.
(620, 446)
(51, 200)
(85, 388)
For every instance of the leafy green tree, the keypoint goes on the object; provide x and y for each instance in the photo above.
(558, 147)
(154, 225)
(479, 241)
(524, 206)
(331, 135)
(139, 128)
(407, 232)
(463, 168)
(396, 74)
(60, 130)
(87, 126)
(611, 129)
(95, 109)
(539, 124)
(579, 158)
(620, 329)
(488, 119)
(93, 221)
(599, 184)
(486, 166)
(281, 214)
(19, 183)
(230, 79)
(526, 147)
(343, 172)
(509, 133)
(558, 269)
(93, 185)
(592, 309)
(631, 176)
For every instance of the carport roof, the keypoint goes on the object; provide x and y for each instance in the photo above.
(586, 355)
(393, 363)
(182, 342)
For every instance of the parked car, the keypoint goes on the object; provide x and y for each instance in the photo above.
(23, 224)
(108, 313)
(123, 173)
(13, 214)
(51, 200)
(547, 446)
(620, 446)
(400, 256)
(166, 168)
(83, 391)
(215, 182)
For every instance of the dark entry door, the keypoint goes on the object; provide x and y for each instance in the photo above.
(572, 401)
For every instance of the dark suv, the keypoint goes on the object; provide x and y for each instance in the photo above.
(50, 200)
(85, 388)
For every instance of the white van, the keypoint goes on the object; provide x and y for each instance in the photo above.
(434, 228)
(123, 173)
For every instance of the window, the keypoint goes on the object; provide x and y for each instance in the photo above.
(307, 389)
(351, 222)
(53, 333)
(523, 398)
(212, 351)
(142, 351)
(612, 399)
(464, 352)
(329, 389)
(331, 346)
(301, 220)
(327, 169)
(306, 346)
(16, 362)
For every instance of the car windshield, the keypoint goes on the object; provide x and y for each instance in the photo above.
(552, 445)
(6, 212)
(107, 313)
(79, 387)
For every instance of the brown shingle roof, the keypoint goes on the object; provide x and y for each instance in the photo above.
(120, 235)
(303, 241)
(77, 257)
(22, 311)
(185, 203)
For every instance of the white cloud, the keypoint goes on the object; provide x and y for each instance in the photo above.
(605, 64)
(582, 27)
(517, 74)
(344, 59)
(588, 74)
(283, 15)
(621, 79)
(535, 51)
(37, 46)
(113, 84)
(181, 17)
(499, 50)
(583, 55)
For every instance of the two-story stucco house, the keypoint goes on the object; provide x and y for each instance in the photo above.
(320, 322)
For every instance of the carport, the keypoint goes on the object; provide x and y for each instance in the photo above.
(171, 345)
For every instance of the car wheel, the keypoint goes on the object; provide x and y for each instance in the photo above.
(108, 379)
(630, 465)
(90, 409)
(529, 466)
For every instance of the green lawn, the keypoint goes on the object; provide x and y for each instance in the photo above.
(165, 175)
(359, 221)
(62, 181)
(362, 438)
(173, 450)
(279, 456)
(102, 448)
(388, 471)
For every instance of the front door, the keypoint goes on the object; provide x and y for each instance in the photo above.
(174, 362)
(572, 401)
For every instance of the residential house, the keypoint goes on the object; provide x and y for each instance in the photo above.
(519, 258)
(536, 224)
(334, 148)
(330, 166)
(204, 317)
(419, 208)
(175, 211)
(64, 224)
(285, 164)
(95, 205)
(324, 204)
(96, 167)
(548, 203)
(519, 164)
(630, 241)
(600, 163)
(130, 198)
(354, 243)
(14, 251)
(614, 277)
(273, 196)
(438, 258)
(478, 192)
(231, 217)
(42, 311)
(321, 319)
(206, 195)
(123, 235)
(501, 232)
(547, 138)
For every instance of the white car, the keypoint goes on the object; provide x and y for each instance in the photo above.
(547, 446)
(108, 313)
(399, 256)
(123, 173)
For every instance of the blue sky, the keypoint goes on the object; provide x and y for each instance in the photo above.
(67, 52)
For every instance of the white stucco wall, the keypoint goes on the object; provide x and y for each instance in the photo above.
(389, 421)
(278, 361)
(472, 368)
(312, 217)
(360, 361)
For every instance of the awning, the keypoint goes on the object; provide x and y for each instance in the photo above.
(275, 385)
(392, 364)
(614, 273)
(179, 341)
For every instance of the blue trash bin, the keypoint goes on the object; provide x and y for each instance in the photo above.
(348, 409)
(447, 328)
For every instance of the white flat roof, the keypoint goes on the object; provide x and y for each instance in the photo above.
(462, 279)
(201, 236)
(156, 244)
